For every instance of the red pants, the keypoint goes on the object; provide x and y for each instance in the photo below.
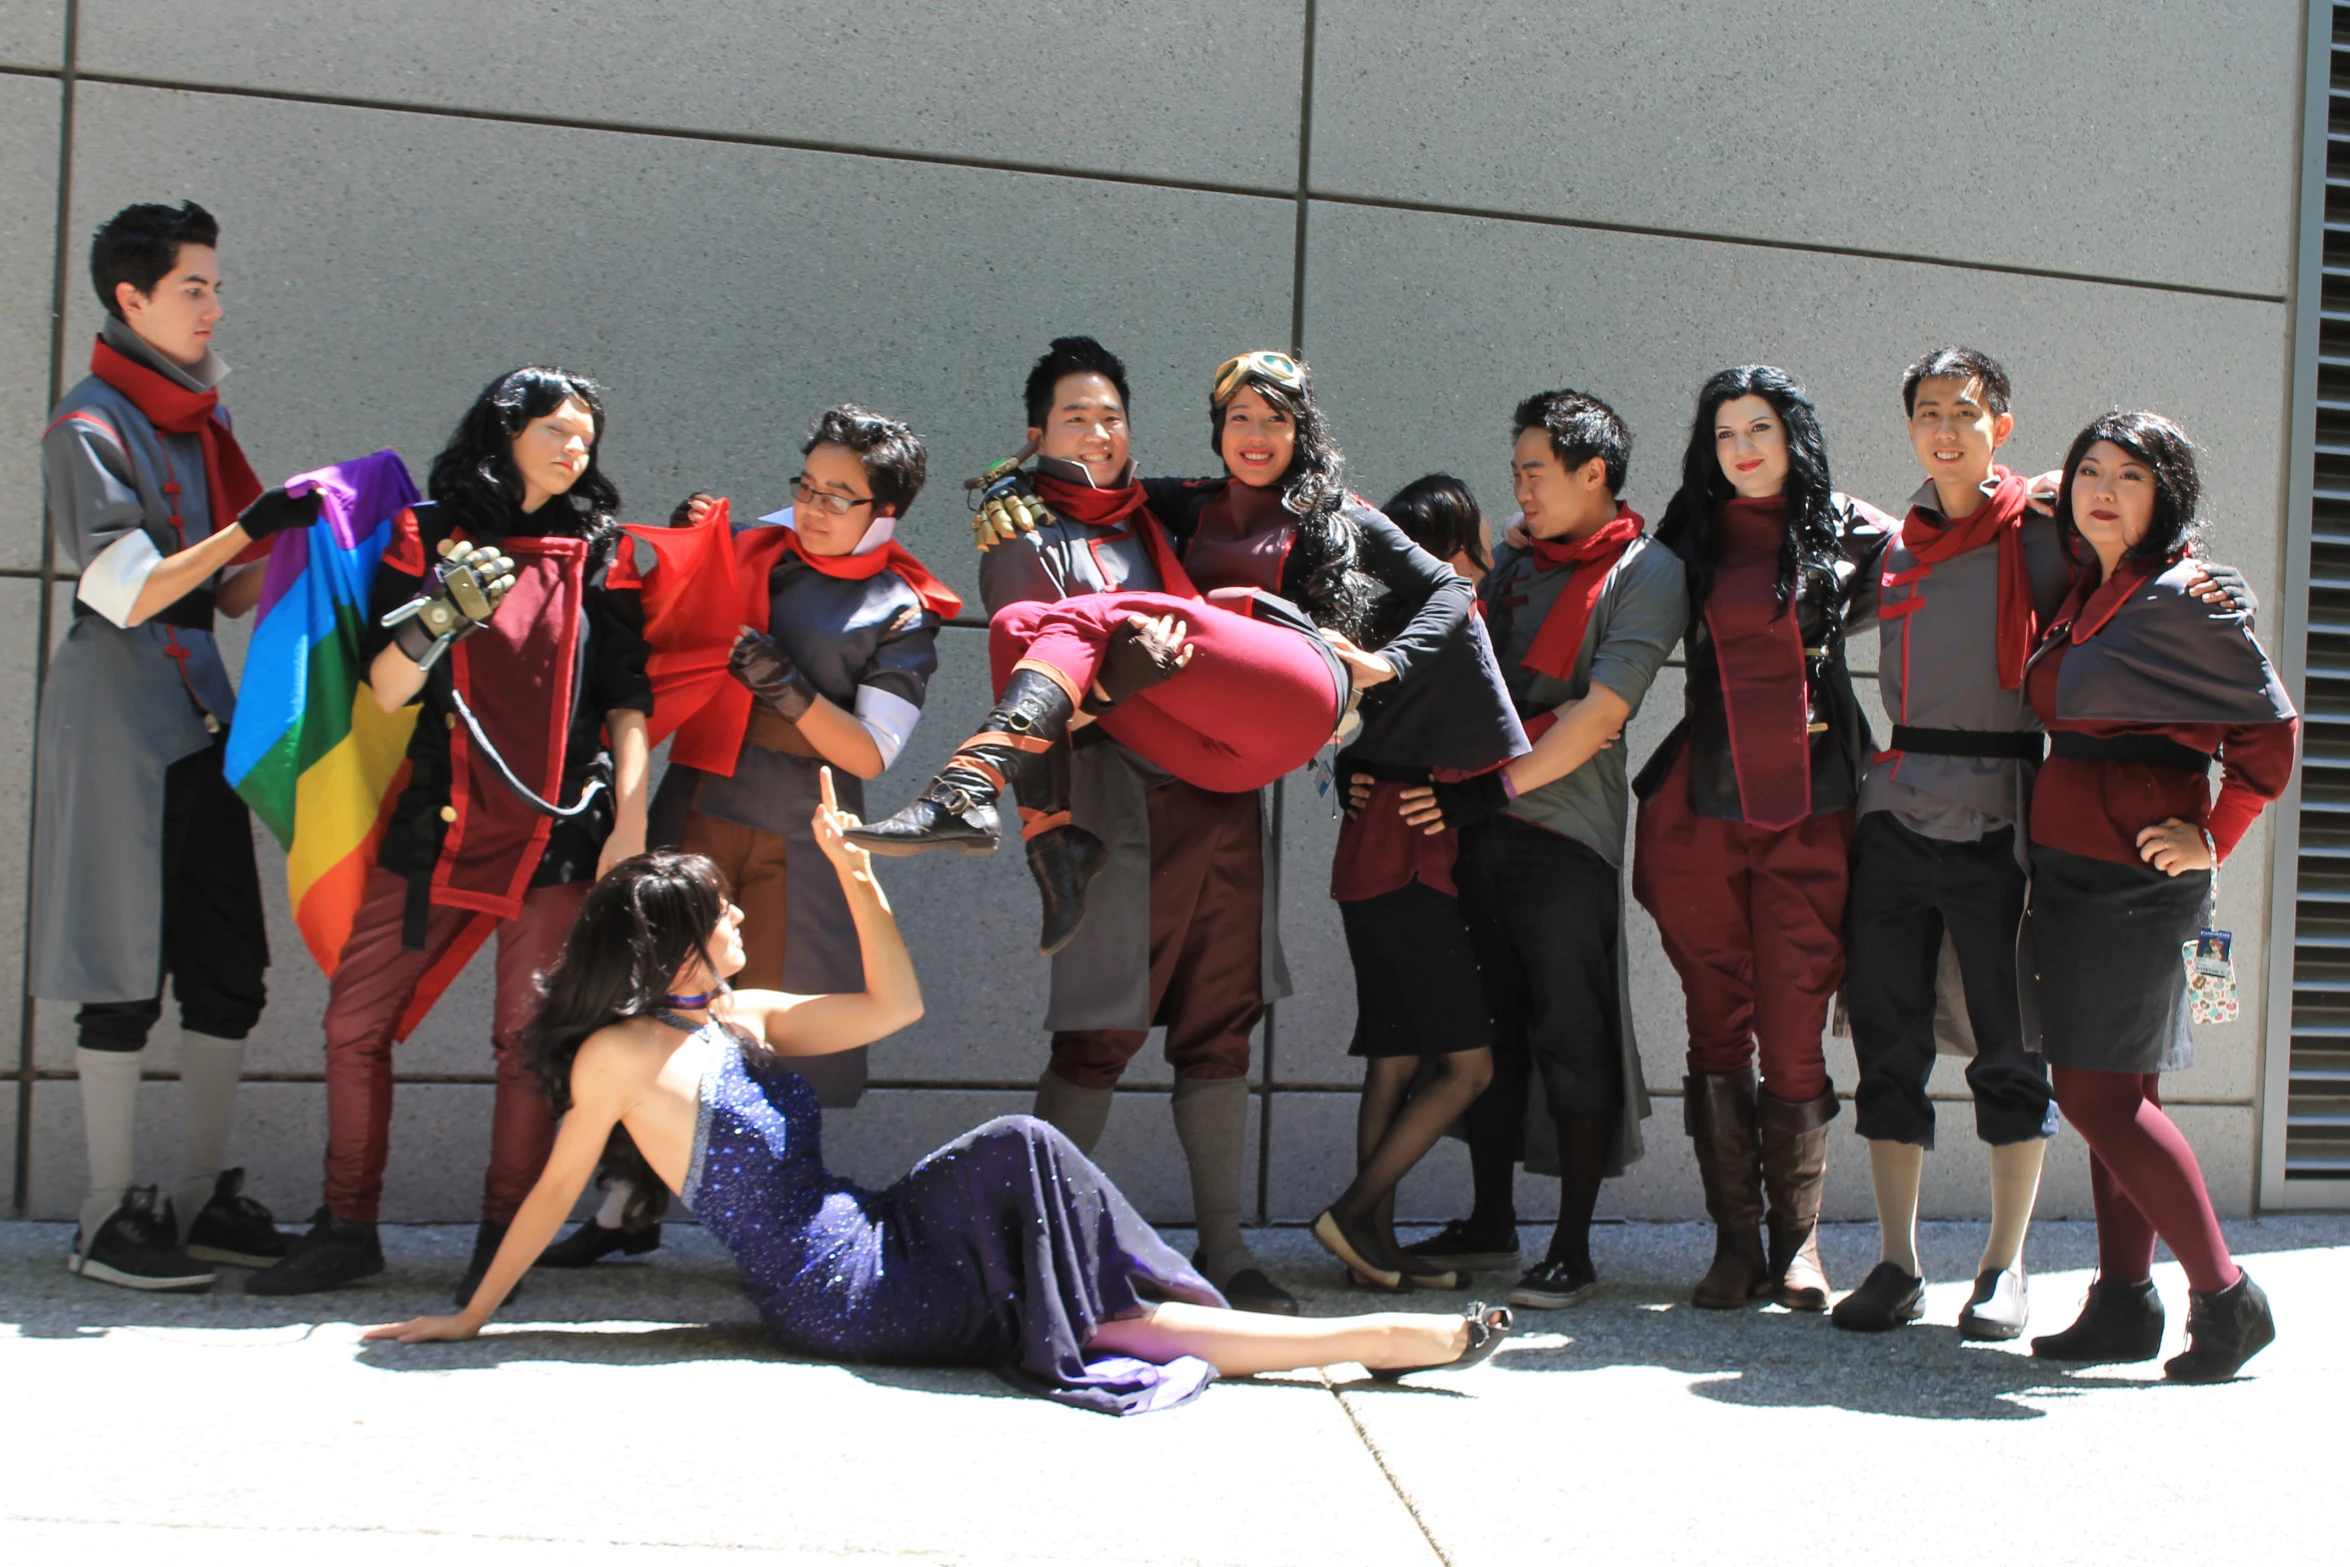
(1255, 702)
(1754, 924)
(1207, 954)
(372, 987)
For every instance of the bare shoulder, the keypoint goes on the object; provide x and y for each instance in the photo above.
(621, 1055)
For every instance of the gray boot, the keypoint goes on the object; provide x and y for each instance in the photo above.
(1211, 1121)
(1079, 1114)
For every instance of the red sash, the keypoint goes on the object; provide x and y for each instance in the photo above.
(1588, 561)
(1759, 652)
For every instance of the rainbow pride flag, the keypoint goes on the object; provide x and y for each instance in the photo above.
(310, 751)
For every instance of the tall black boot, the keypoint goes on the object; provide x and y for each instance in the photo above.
(958, 810)
(1062, 856)
(1718, 1109)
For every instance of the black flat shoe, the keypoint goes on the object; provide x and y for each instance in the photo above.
(1886, 1300)
(1459, 1246)
(1402, 1286)
(2119, 1324)
(1330, 1230)
(1488, 1326)
(486, 1241)
(1251, 1290)
(592, 1242)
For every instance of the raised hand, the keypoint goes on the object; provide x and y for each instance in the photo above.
(832, 828)
(1008, 511)
(692, 509)
(460, 594)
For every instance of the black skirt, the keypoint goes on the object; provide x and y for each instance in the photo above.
(2113, 986)
(1416, 985)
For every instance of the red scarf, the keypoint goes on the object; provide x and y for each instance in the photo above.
(228, 479)
(1097, 508)
(2001, 516)
(1588, 561)
(935, 595)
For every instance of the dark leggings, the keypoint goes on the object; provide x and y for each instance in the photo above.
(2144, 1178)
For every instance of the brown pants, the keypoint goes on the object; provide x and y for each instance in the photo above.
(372, 987)
(753, 864)
(1206, 943)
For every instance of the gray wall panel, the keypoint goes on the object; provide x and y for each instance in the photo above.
(32, 33)
(1804, 124)
(28, 249)
(1111, 88)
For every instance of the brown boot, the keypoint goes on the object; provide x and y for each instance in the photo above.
(1795, 1174)
(1718, 1109)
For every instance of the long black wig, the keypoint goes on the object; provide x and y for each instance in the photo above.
(475, 477)
(639, 925)
(1690, 528)
(2162, 446)
(1336, 595)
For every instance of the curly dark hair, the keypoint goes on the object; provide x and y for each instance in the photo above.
(474, 475)
(638, 926)
(2161, 445)
(1690, 525)
(896, 462)
(1333, 592)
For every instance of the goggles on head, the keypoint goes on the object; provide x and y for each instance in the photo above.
(1279, 369)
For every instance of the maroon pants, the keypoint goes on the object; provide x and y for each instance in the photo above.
(1206, 954)
(2143, 1178)
(1753, 921)
(1255, 702)
(372, 987)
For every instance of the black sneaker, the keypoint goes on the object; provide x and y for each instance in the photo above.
(1459, 1247)
(335, 1252)
(486, 1241)
(232, 1227)
(1555, 1285)
(1886, 1299)
(138, 1249)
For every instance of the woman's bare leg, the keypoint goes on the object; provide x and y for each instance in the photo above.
(1243, 1343)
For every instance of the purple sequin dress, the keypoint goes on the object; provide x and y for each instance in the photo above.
(1004, 1249)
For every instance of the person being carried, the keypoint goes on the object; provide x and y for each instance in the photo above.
(1007, 1249)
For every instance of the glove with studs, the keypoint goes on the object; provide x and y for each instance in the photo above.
(1008, 509)
(460, 594)
(758, 662)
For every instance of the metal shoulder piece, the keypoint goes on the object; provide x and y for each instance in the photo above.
(1004, 503)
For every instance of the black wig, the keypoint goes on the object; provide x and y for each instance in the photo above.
(639, 925)
(1334, 593)
(2163, 447)
(1438, 513)
(474, 475)
(1690, 527)
(141, 244)
(1066, 357)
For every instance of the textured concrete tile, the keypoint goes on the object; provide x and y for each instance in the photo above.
(32, 33)
(1828, 123)
(1123, 88)
(8, 1102)
(28, 251)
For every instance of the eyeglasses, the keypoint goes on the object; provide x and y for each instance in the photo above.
(1279, 369)
(805, 494)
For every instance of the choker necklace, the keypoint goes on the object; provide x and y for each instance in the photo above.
(688, 1002)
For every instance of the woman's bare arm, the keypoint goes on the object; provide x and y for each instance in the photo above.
(601, 1085)
(891, 999)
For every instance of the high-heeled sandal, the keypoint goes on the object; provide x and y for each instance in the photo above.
(1488, 1326)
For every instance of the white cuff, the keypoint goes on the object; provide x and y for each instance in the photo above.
(111, 582)
(888, 718)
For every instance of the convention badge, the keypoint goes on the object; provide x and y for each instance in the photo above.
(1322, 772)
(2211, 977)
(2212, 953)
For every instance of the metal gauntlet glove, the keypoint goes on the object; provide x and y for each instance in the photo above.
(1008, 509)
(459, 596)
(768, 670)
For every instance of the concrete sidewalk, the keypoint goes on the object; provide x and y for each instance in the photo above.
(634, 1413)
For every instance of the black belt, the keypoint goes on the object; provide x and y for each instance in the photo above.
(2151, 750)
(2010, 744)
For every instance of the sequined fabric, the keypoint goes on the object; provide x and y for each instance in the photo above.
(1004, 1249)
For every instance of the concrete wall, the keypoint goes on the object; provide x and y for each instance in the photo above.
(735, 217)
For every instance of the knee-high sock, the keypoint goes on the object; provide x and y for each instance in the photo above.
(1896, 1170)
(1080, 1114)
(2118, 1116)
(2015, 1186)
(2125, 1237)
(110, 1126)
(210, 1069)
(615, 1204)
(1211, 1121)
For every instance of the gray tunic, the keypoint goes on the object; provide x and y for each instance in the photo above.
(118, 708)
(870, 646)
(1642, 610)
(1101, 980)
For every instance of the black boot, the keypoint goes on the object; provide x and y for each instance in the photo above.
(1062, 856)
(486, 1242)
(958, 810)
(2119, 1323)
(1718, 1108)
(1795, 1179)
(2224, 1329)
(592, 1242)
(334, 1253)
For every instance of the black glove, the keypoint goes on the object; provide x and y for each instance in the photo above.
(1472, 800)
(2231, 582)
(275, 511)
(682, 517)
(460, 594)
(768, 670)
(1136, 659)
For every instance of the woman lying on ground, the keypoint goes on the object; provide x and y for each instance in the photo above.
(1006, 1249)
